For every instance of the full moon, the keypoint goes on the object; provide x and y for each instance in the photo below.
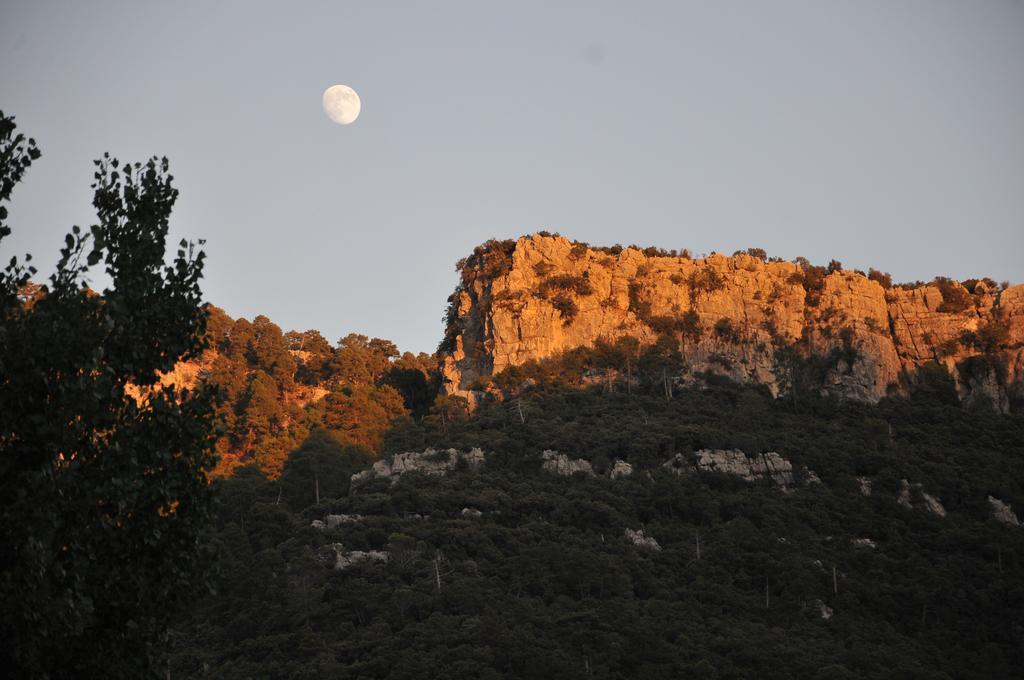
(341, 104)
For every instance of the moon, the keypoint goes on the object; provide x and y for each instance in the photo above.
(341, 104)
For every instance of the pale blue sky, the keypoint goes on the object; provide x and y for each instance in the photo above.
(886, 134)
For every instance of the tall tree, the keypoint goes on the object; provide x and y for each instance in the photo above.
(102, 467)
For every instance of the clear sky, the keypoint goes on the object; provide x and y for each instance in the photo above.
(885, 134)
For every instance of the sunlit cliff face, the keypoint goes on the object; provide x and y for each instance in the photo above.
(741, 316)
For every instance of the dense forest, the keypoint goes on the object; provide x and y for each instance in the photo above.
(274, 388)
(508, 570)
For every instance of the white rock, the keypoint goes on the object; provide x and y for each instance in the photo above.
(865, 486)
(336, 556)
(864, 543)
(734, 462)
(824, 611)
(561, 464)
(429, 462)
(1003, 512)
(620, 469)
(471, 512)
(317, 524)
(641, 540)
(334, 521)
(931, 503)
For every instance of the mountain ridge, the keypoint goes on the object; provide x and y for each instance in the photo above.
(746, 317)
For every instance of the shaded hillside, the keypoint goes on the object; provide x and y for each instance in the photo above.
(746, 317)
(503, 567)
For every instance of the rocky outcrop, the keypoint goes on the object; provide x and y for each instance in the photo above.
(641, 540)
(1003, 512)
(335, 521)
(864, 543)
(620, 469)
(560, 464)
(335, 556)
(734, 462)
(864, 484)
(542, 295)
(428, 462)
(823, 610)
(931, 503)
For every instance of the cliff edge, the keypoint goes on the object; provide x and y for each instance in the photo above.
(746, 317)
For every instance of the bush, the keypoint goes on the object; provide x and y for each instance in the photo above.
(705, 281)
(567, 309)
(955, 297)
(725, 330)
(883, 278)
(566, 283)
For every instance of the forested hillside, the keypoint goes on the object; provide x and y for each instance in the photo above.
(276, 387)
(510, 569)
(624, 505)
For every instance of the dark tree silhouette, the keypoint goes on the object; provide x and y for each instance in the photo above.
(102, 468)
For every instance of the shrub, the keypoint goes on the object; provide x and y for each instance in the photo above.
(567, 309)
(972, 285)
(578, 250)
(566, 283)
(543, 268)
(883, 278)
(705, 281)
(641, 308)
(725, 330)
(955, 297)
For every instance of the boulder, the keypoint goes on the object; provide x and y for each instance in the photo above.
(428, 462)
(1003, 512)
(931, 503)
(642, 540)
(335, 556)
(560, 464)
(620, 469)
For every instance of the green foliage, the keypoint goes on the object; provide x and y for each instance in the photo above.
(320, 467)
(725, 330)
(566, 306)
(757, 253)
(103, 469)
(955, 297)
(884, 279)
(579, 285)
(545, 584)
(261, 374)
(705, 281)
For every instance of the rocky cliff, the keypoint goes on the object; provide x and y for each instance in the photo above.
(745, 317)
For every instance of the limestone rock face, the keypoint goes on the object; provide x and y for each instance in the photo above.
(546, 295)
(864, 483)
(620, 469)
(428, 462)
(824, 611)
(642, 540)
(561, 464)
(1003, 512)
(734, 462)
(335, 521)
(336, 556)
(931, 503)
